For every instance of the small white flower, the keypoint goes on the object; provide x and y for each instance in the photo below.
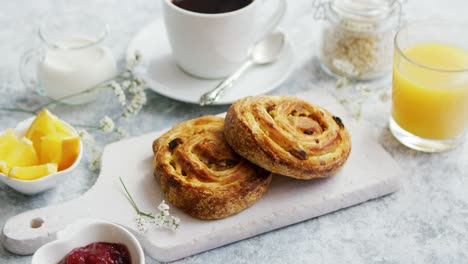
(175, 220)
(126, 84)
(88, 140)
(142, 224)
(134, 87)
(137, 86)
(142, 97)
(95, 159)
(138, 101)
(121, 132)
(134, 61)
(114, 85)
(106, 124)
(163, 206)
(174, 223)
(119, 93)
(161, 220)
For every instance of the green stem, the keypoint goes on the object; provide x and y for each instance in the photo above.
(129, 196)
(17, 110)
(117, 118)
(132, 202)
(86, 126)
(59, 100)
(98, 86)
(147, 215)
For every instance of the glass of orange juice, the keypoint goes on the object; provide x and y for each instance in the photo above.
(430, 85)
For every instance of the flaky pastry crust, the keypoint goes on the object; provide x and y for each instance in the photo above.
(200, 174)
(288, 136)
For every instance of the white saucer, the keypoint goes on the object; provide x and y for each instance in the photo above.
(165, 77)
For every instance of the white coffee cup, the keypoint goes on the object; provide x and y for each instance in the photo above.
(212, 46)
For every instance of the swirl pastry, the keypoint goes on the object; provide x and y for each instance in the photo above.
(201, 174)
(288, 136)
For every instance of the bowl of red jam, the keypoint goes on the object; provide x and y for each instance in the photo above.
(91, 241)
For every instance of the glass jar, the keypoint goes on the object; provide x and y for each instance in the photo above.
(357, 37)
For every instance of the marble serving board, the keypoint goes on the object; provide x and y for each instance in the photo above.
(370, 172)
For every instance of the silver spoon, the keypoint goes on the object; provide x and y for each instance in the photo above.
(265, 51)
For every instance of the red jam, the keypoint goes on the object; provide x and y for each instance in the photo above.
(98, 253)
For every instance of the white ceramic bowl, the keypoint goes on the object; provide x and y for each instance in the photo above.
(44, 183)
(84, 232)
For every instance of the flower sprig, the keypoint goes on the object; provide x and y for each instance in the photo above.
(129, 91)
(162, 220)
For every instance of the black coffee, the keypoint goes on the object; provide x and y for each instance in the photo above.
(211, 6)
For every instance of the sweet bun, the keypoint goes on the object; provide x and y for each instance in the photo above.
(200, 173)
(288, 136)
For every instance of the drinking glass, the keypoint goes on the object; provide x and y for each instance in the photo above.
(430, 85)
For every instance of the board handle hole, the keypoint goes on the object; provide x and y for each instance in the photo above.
(37, 222)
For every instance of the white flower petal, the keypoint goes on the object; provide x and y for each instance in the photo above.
(106, 124)
(121, 132)
(88, 139)
(163, 206)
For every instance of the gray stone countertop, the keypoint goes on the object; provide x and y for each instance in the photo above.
(425, 222)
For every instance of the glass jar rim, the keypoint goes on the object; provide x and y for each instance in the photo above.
(360, 11)
(422, 65)
(55, 21)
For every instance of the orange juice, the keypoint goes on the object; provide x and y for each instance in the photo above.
(430, 90)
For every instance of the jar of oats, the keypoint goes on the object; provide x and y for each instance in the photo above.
(357, 37)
